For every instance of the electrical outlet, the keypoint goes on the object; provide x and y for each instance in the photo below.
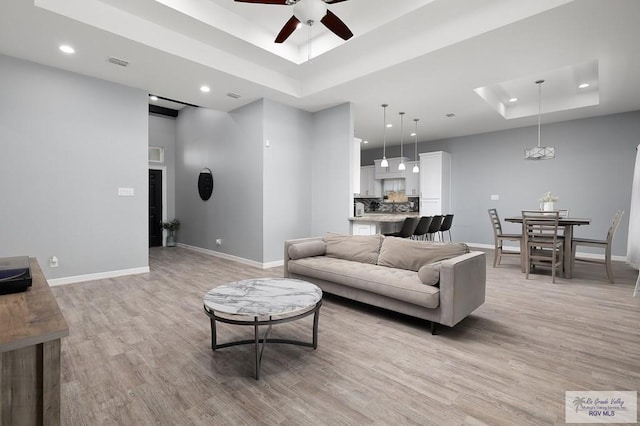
(219, 242)
(495, 197)
(53, 262)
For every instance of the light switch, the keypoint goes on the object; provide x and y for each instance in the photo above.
(126, 192)
(495, 197)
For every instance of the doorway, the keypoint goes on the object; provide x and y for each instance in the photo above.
(155, 208)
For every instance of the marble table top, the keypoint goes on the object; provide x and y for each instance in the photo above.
(263, 297)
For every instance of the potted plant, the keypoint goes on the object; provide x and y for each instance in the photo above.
(172, 226)
(547, 202)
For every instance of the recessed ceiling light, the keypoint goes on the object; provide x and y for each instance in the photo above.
(413, 134)
(513, 100)
(67, 49)
(583, 86)
(389, 125)
(153, 98)
(298, 25)
(365, 141)
(205, 89)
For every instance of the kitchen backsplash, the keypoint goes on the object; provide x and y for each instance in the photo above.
(374, 205)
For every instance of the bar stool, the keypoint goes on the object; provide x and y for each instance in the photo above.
(434, 228)
(420, 232)
(446, 226)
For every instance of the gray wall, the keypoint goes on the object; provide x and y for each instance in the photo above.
(230, 144)
(287, 180)
(67, 142)
(591, 174)
(331, 169)
(162, 132)
(296, 187)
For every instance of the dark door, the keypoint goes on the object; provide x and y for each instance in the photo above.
(155, 208)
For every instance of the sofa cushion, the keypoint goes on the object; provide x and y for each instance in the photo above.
(307, 249)
(429, 274)
(359, 248)
(398, 284)
(412, 255)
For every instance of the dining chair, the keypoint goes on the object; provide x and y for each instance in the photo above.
(605, 244)
(543, 247)
(446, 226)
(408, 226)
(499, 237)
(420, 233)
(434, 228)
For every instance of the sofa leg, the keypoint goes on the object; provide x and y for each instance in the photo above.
(433, 328)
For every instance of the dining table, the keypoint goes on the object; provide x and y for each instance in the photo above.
(567, 223)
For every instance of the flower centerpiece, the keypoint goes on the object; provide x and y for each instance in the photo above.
(172, 226)
(547, 202)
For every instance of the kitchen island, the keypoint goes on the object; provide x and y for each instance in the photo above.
(379, 223)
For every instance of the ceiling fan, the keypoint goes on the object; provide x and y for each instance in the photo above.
(308, 12)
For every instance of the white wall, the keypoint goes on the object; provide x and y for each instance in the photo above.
(67, 142)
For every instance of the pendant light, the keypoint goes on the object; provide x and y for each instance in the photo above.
(539, 152)
(401, 166)
(416, 169)
(384, 162)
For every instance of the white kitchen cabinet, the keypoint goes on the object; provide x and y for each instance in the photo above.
(435, 183)
(392, 171)
(369, 186)
(363, 228)
(412, 181)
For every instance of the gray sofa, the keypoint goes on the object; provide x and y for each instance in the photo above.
(438, 282)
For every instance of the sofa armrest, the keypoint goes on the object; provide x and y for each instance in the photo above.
(289, 243)
(462, 286)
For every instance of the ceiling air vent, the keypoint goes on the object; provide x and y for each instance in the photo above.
(117, 61)
(233, 95)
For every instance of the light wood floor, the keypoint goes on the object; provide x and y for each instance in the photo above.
(139, 353)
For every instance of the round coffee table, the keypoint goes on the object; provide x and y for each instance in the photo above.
(263, 301)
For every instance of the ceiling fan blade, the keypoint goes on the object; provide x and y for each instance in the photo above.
(287, 30)
(338, 27)
(333, 1)
(264, 1)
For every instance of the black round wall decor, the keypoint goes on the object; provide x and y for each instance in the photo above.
(205, 184)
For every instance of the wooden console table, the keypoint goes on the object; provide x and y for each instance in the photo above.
(31, 326)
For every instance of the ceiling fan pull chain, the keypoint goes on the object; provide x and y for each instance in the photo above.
(309, 44)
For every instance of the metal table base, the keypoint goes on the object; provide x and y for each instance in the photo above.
(257, 341)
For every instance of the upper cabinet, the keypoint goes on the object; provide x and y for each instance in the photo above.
(412, 181)
(435, 182)
(369, 186)
(392, 171)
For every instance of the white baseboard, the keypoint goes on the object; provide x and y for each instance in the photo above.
(97, 276)
(578, 254)
(226, 256)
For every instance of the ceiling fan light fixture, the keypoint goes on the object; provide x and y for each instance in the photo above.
(310, 11)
